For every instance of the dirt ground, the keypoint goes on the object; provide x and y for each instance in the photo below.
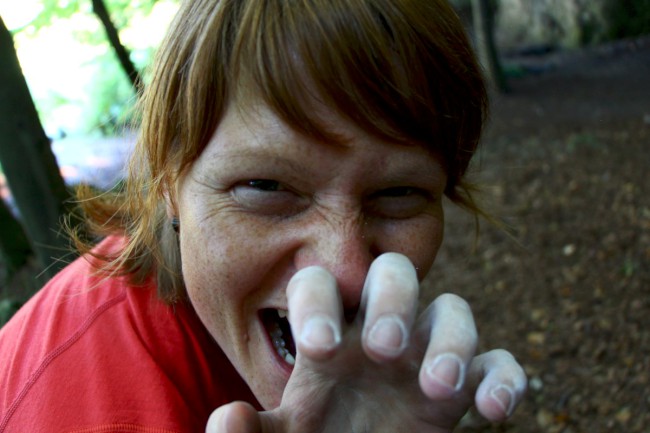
(566, 162)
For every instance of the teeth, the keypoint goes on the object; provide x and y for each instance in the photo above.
(284, 353)
(279, 343)
(276, 333)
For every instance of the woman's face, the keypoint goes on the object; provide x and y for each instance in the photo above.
(263, 201)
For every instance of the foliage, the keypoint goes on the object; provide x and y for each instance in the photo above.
(121, 11)
(113, 97)
(629, 18)
(106, 98)
(7, 309)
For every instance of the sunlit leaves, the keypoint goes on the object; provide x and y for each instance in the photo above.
(72, 70)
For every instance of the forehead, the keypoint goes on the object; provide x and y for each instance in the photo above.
(253, 116)
(252, 135)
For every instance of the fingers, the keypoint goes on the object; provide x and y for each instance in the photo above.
(449, 367)
(446, 335)
(501, 384)
(315, 312)
(389, 300)
(451, 346)
(236, 417)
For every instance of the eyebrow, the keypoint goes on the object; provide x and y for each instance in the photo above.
(412, 174)
(263, 150)
(258, 154)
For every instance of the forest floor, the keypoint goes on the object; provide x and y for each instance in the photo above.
(566, 161)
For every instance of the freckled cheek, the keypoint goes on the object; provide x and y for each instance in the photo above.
(206, 263)
(419, 241)
(227, 262)
(205, 284)
(429, 249)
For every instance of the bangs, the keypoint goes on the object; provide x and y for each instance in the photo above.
(399, 70)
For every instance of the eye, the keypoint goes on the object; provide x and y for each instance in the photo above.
(399, 202)
(268, 197)
(400, 191)
(265, 185)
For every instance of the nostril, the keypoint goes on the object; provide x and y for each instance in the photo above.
(375, 251)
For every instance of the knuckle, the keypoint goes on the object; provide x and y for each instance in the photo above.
(312, 272)
(502, 355)
(314, 277)
(455, 302)
(505, 362)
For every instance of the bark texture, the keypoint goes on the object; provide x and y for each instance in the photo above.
(29, 164)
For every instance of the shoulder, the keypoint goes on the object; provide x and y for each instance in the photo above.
(94, 351)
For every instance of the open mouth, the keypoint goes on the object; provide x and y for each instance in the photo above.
(279, 330)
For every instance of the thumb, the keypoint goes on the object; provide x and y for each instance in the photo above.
(236, 417)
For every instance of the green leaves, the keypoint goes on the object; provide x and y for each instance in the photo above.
(77, 82)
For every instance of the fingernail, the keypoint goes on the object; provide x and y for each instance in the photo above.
(388, 335)
(504, 396)
(319, 332)
(448, 370)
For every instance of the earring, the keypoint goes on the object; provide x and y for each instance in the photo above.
(176, 224)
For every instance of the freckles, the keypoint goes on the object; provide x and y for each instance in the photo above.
(421, 245)
(201, 273)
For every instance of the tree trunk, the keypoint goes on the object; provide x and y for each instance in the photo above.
(14, 244)
(483, 17)
(29, 164)
(123, 55)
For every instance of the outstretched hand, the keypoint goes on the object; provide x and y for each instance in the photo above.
(389, 370)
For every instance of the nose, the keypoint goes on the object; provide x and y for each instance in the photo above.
(345, 249)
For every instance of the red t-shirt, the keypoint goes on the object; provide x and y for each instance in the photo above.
(88, 354)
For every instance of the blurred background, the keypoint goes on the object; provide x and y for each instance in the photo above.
(564, 162)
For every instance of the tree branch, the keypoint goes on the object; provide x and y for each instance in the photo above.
(123, 55)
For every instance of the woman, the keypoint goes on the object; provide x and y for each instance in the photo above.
(260, 272)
